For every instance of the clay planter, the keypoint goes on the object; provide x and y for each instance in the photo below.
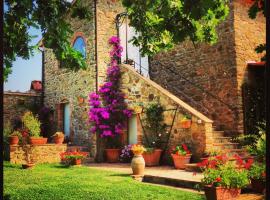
(112, 155)
(152, 158)
(37, 140)
(76, 162)
(186, 124)
(138, 165)
(220, 193)
(13, 140)
(258, 186)
(28, 165)
(180, 161)
(45, 140)
(58, 140)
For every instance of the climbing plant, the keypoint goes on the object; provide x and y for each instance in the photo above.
(108, 109)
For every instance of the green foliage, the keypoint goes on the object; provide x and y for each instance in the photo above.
(49, 16)
(226, 175)
(32, 124)
(257, 171)
(7, 131)
(55, 181)
(162, 24)
(259, 148)
(16, 133)
(154, 127)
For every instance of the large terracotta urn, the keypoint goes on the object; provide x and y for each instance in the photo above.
(138, 165)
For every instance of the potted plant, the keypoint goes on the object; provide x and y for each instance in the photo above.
(222, 178)
(32, 124)
(181, 156)
(186, 121)
(112, 150)
(59, 137)
(155, 130)
(14, 137)
(138, 163)
(73, 158)
(257, 176)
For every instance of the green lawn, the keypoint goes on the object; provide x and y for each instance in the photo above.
(56, 182)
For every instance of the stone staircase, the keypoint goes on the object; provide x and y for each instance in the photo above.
(223, 143)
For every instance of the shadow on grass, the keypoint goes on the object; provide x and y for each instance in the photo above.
(7, 197)
(12, 166)
(120, 175)
(61, 166)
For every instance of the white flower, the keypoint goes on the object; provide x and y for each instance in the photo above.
(159, 135)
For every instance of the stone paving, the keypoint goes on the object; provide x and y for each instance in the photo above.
(159, 171)
(161, 174)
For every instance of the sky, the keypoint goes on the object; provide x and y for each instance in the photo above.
(24, 71)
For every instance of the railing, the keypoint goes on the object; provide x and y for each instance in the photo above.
(120, 18)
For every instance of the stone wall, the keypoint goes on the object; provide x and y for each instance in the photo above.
(209, 77)
(47, 153)
(106, 15)
(66, 86)
(249, 33)
(142, 90)
(16, 103)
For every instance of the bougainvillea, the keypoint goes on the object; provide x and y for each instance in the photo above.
(108, 109)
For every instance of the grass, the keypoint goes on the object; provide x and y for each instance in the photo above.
(56, 182)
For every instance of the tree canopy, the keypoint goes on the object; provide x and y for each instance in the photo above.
(163, 23)
(160, 24)
(48, 16)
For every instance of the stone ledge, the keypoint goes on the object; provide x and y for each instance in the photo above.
(22, 94)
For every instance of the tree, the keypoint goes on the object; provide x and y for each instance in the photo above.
(47, 15)
(163, 23)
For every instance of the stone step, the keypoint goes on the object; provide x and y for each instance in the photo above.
(222, 139)
(239, 151)
(228, 145)
(218, 133)
(192, 167)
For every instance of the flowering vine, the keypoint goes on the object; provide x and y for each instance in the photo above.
(108, 110)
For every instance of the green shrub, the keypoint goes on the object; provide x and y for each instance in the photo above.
(257, 171)
(32, 124)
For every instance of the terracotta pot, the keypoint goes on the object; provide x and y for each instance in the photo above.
(220, 193)
(76, 162)
(28, 165)
(45, 140)
(180, 161)
(152, 158)
(58, 140)
(138, 165)
(13, 140)
(112, 155)
(36, 140)
(258, 185)
(186, 124)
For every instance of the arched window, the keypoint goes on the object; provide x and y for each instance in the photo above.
(79, 45)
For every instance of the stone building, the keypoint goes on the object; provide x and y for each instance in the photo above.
(218, 69)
